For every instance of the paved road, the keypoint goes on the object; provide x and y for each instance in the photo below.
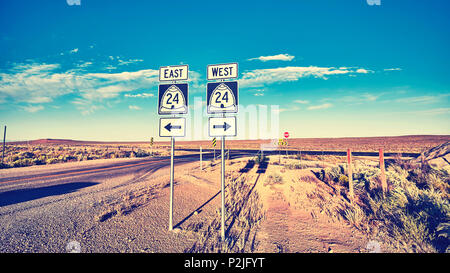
(111, 170)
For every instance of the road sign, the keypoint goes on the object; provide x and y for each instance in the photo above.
(222, 126)
(172, 127)
(222, 97)
(214, 142)
(173, 99)
(282, 142)
(222, 71)
(286, 134)
(174, 73)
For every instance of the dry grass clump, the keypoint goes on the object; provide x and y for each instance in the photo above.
(413, 216)
(127, 204)
(273, 179)
(28, 155)
(244, 214)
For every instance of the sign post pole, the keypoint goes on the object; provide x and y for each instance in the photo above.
(201, 165)
(383, 174)
(4, 137)
(350, 173)
(222, 179)
(172, 140)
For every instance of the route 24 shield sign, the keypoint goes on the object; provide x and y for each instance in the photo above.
(173, 99)
(222, 97)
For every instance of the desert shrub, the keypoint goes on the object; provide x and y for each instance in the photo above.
(274, 179)
(355, 215)
(68, 158)
(343, 180)
(26, 155)
(141, 153)
(22, 162)
(260, 158)
(53, 160)
(39, 161)
(295, 166)
(415, 211)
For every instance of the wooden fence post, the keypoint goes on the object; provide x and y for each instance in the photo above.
(383, 173)
(350, 173)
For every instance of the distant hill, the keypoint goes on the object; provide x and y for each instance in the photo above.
(411, 143)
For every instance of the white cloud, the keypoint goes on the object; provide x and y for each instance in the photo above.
(85, 64)
(33, 109)
(130, 61)
(279, 57)
(422, 99)
(110, 67)
(392, 69)
(42, 83)
(134, 107)
(321, 106)
(293, 108)
(141, 95)
(362, 71)
(301, 101)
(75, 50)
(261, 77)
(433, 112)
(35, 83)
(358, 99)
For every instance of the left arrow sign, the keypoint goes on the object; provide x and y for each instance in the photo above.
(172, 127)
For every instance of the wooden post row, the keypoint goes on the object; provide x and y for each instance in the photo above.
(350, 173)
(383, 173)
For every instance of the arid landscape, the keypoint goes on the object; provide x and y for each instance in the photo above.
(113, 197)
(51, 151)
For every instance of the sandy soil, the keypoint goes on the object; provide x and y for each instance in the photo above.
(297, 219)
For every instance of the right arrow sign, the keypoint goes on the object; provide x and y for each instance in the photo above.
(222, 126)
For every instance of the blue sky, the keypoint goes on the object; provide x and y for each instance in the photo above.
(334, 68)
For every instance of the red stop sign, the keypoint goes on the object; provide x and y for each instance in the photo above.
(286, 134)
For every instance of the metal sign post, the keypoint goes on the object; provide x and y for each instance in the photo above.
(201, 166)
(4, 137)
(222, 181)
(350, 173)
(172, 141)
(383, 174)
